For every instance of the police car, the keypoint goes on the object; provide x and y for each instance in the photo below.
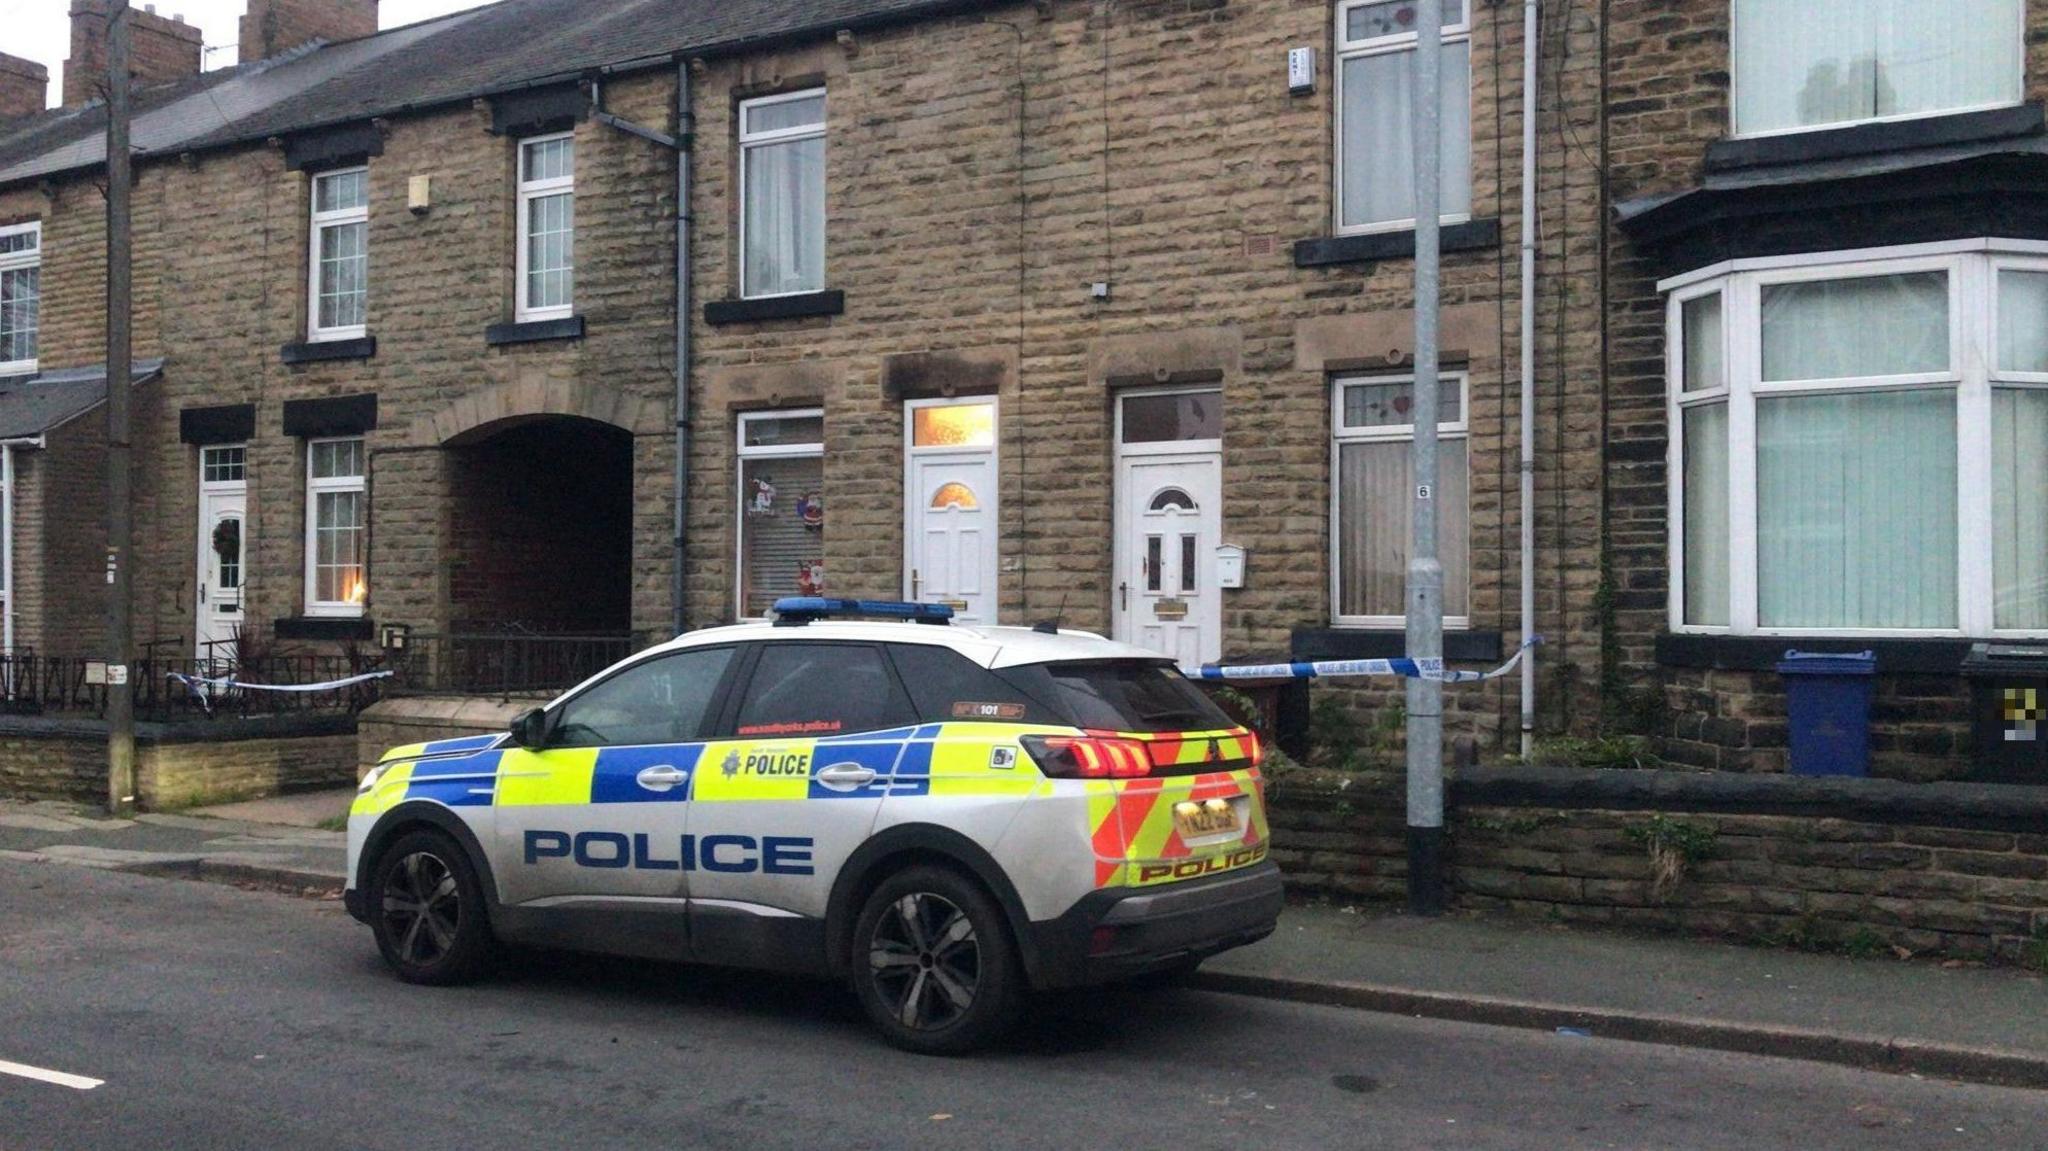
(947, 816)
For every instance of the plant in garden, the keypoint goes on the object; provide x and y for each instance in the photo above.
(1674, 846)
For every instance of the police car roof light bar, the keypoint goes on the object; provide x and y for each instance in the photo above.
(795, 611)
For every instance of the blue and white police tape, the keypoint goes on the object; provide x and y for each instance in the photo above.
(1430, 669)
(194, 682)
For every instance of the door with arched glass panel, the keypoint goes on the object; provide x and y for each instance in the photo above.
(950, 513)
(1169, 523)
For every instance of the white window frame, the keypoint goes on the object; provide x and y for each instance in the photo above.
(20, 261)
(751, 140)
(1348, 49)
(1340, 436)
(1972, 267)
(315, 250)
(743, 453)
(315, 487)
(529, 191)
(1735, 81)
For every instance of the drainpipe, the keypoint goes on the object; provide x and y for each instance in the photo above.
(1530, 55)
(686, 142)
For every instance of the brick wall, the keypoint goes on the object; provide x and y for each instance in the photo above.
(159, 48)
(272, 26)
(24, 87)
(397, 722)
(43, 758)
(1948, 869)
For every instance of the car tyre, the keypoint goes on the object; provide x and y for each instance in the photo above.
(426, 908)
(934, 964)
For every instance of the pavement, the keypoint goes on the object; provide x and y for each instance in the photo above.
(1953, 1021)
(213, 1019)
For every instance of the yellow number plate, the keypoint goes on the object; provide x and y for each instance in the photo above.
(1202, 820)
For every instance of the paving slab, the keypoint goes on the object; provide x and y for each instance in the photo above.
(302, 809)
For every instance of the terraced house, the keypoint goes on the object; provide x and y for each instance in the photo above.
(604, 320)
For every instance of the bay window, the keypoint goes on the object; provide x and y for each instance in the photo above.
(1861, 445)
(781, 512)
(21, 271)
(337, 527)
(782, 194)
(1801, 64)
(1374, 495)
(1376, 114)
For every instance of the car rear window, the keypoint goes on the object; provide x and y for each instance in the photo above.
(1119, 695)
(946, 686)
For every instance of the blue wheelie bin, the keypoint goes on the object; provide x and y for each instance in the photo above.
(1827, 704)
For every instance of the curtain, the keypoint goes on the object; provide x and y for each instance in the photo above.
(1856, 510)
(1808, 63)
(2019, 507)
(1861, 327)
(551, 250)
(1706, 365)
(1706, 515)
(785, 217)
(20, 300)
(1379, 142)
(2023, 321)
(1375, 496)
(344, 275)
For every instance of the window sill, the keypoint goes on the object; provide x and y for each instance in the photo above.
(317, 351)
(826, 303)
(1762, 652)
(533, 331)
(1324, 251)
(1319, 643)
(326, 627)
(1872, 139)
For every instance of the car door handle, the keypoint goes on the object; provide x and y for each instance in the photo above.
(662, 777)
(846, 776)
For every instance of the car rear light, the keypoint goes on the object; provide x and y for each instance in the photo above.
(1089, 756)
(1256, 749)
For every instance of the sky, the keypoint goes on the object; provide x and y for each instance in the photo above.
(41, 29)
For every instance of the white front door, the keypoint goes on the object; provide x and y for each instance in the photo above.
(1169, 522)
(223, 547)
(950, 502)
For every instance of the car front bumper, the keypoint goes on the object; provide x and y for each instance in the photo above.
(1118, 933)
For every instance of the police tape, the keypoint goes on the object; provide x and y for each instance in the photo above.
(194, 682)
(1424, 669)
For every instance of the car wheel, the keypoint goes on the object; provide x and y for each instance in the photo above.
(427, 910)
(934, 964)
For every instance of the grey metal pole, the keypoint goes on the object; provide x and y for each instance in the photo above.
(120, 298)
(1425, 572)
(1530, 223)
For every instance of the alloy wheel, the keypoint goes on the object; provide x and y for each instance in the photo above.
(925, 960)
(422, 908)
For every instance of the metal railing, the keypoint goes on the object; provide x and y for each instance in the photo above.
(501, 664)
(32, 684)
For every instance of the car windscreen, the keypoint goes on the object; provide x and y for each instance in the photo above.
(1119, 695)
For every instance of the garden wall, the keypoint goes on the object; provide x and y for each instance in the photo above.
(1858, 865)
(181, 764)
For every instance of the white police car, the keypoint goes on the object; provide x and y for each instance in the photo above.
(947, 815)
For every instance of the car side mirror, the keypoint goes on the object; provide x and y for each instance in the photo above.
(530, 730)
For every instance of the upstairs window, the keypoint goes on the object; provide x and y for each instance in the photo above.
(340, 254)
(337, 527)
(1803, 64)
(547, 228)
(21, 275)
(1376, 114)
(782, 194)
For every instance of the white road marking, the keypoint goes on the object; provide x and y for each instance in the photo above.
(75, 1082)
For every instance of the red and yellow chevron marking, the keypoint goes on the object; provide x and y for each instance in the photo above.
(1134, 831)
(1181, 748)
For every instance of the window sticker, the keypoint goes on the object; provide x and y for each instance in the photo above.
(968, 709)
(797, 727)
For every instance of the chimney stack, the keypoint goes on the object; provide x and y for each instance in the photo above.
(160, 49)
(273, 26)
(24, 87)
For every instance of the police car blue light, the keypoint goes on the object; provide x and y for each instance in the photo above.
(804, 609)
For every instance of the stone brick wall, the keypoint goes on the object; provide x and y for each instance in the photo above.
(24, 87)
(47, 758)
(160, 48)
(1946, 869)
(269, 27)
(397, 722)
(60, 539)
